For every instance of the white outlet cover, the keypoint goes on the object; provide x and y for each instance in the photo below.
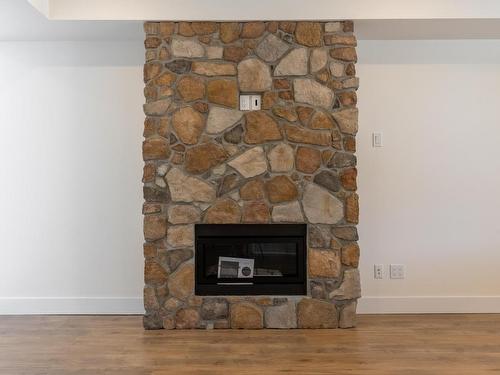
(397, 271)
(377, 139)
(378, 271)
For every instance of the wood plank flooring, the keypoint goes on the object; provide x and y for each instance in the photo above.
(383, 344)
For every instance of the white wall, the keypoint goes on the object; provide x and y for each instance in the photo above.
(430, 197)
(70, 161)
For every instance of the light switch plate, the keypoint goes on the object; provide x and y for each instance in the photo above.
(250, 102)
(377, 139)
(397, 271)
(255, 103)
(378, 271)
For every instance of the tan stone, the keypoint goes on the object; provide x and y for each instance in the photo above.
(308, 34)
(220, 119)
(281, 158)
(235, 53)
(154, 274)
(347, 317)
(155, 227)
(212, 69)
(254, 75)
(350, 255)
(271, 48)
(323, 263)
(261, 128)
(314, 137)
(350, 287)
(304, 114)
(151, 208)
(180, 235)
(350, 144)
(191, 88)
(187, 319)
(165, 79)
(337, 69)
(286, 113)
(155, 148)
(348, 178)
(204, 28)
(223, 91)
(333, 27)
(313, 313)
(184, 188)
(157, 108)
(200, 159)
(281, 189)
(344, 54)
(321, 120)
(185, 29)
(224, 211)
(255, 212)
(311, 92)
(172, 304)
(229, 31)
(352, 209)
(269, 99)
(188, 125)
(293, 64)
(347, 40)
(181, 282)
(245, 315)
(288, 212)
(183, 214)
(320, 206)
(166, 29)
(307, 160)
(253, 29)
(251, 163)
(287, 26)
(252, 190)
(319, 58)
(151, 70)
(214, 52)
(186, 48)
(347, 120)
(348, 98)
(150, 300)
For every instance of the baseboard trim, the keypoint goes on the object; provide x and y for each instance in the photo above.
(83, 305)
(430, 305)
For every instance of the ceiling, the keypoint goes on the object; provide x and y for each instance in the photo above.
(19, 21)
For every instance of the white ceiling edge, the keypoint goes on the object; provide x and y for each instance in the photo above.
(221, 10)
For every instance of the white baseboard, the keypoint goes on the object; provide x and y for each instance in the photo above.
(429, 305)
(42, 305)
(366, 305)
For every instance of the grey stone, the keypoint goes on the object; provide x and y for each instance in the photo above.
(317, 289)
(337, 69)
(347, 120)
(234, 135)
(157, 108)
(229, 183)
(293, 64)
(162, 170)
(174, 258)
(271, 48)
(311, 92)
(219, 119)
(350, 287)
(333, 27)
(281, 158)
(214, 309)
(281, 316)
(254, 76)
(348, 315)
(318, 60)
(160, 182)
(184, 188)
(152, 194)
(346, 233)
(288, 212)
(320, 206)
(251, 163)
(328, 180)
(179, 66)
(187, 48)
(342, 160)
(319, 236)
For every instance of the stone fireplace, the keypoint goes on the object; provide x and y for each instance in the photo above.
(290, 163)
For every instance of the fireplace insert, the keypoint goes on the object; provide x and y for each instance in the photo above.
(250, 259)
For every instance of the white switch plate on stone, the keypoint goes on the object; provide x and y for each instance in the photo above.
(250, 102)
(397, 271)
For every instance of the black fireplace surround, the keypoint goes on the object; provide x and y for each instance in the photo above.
(250, 259)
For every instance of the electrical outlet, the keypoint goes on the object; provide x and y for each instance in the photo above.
(397, 271)
(250, 102)
(378, 271)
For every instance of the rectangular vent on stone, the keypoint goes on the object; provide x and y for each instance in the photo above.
(250, 259)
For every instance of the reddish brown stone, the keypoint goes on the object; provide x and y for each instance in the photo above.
(281, 189)
(326, 155)
(352, 209)
(166, 29)
(155, 227)
(151, 208)
(315, 137)
(350, 70)
(245, 315)
(252, 190)
(255, 212)
(323, 76)
(185, 29)
(286, 95)
(323, 263)
(287, 27)
(350, 144)
(250, 43)
(191, 88)
(235, 54)
(151, 70)
(155, 148)
(150, 125)
(201, 107)
(148, 173)
(269, 99)
(229, 31)
(348, 178)
(321, 120)
(350, 255)
(151, 27)
(224, 211)
(152, 42)
(166, 79)
(164, 54)
(177, 158)
(253, 29)
(304, 114)
(308, 34)
(272, 26)
(307, 160)
(149, 250)
(205, 39)
(346, 40)
(281, 84)
(204, 28)
(261, 128)
(187, 319)
(154, 274)
(181, 283)
(344, 54)
(348, 98)
(224, 92)
(348, 26)
(200, 159)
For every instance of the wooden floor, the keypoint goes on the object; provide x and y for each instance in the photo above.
(390, 344)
